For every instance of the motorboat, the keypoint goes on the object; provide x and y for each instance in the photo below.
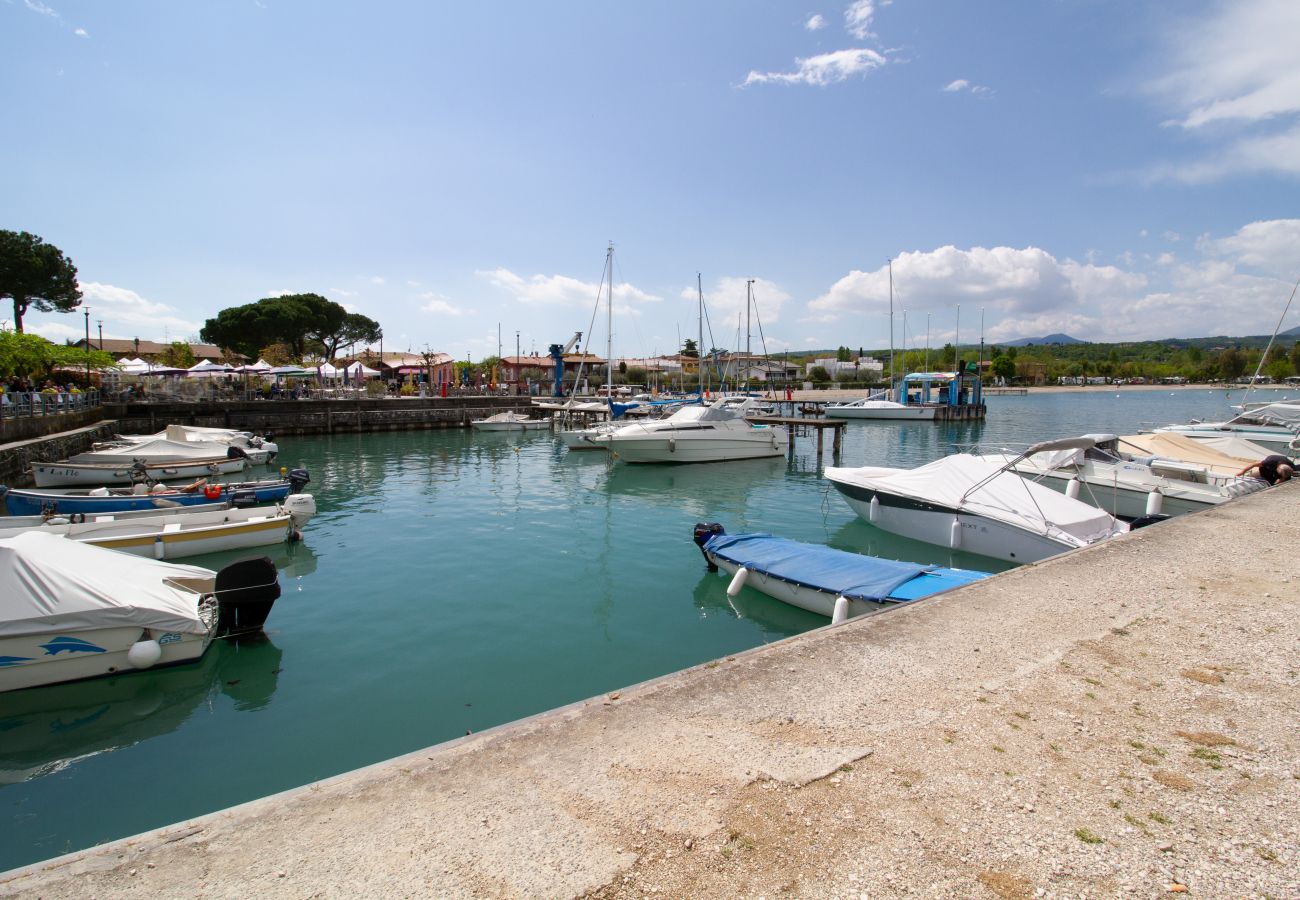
(162, 450)
(87, 501)
(509, 421)
(1224, 454)
(964, 502)
(877, 407)
(1274, 425)
(820, 579)
(179, 533)
(1110, 475)
(922, 397)
(70, 611)
(716, 432)
(245, 440)
(132, 471)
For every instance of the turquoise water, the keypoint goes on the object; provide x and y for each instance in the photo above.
(453, 581)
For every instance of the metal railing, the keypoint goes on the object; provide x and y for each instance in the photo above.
(24, 404)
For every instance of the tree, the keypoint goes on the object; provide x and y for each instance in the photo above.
(1295, 357)
(178, 355)
(843, 354)
(690, 349)
(1003, 366)
(819, 375)
(298, 320)
(30, 354)
(34, 273)
(1231, 363)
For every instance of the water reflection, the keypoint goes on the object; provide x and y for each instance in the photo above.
(46, 730)
(862, 537)
(776, 619)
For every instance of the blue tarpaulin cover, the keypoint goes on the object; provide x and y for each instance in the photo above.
(823, 568)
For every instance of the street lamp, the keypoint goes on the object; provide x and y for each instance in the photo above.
(87, 309)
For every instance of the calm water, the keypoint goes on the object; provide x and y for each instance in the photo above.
(454, 581)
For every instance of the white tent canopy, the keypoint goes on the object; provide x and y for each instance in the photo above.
(206, 369)
(48, 582)
(356, 370)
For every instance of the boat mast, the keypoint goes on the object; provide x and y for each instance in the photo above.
(609, 328)
(699, 348)
(749, 301)
(891, 325)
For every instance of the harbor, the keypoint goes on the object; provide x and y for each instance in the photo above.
(1088, 725)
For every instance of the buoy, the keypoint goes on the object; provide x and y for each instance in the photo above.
(144, 654)
(873, 512)
(1155, 500)
(159, 548)
(841, 610)
(954, 536)
(1072, 488)
(737, 581)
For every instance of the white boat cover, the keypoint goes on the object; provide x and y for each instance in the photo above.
(1005, 497)
(49, 583)
(153, 450)
(1224, 454)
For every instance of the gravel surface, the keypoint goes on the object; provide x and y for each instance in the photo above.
(1120, 721)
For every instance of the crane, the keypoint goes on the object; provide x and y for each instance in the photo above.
(556, 352)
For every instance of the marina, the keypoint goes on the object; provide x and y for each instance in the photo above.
(453, 581)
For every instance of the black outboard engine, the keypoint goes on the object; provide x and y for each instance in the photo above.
(233, 452)
(1144, 521)
(298, 479)
(701, 534)
(244, 500)
(246, 591)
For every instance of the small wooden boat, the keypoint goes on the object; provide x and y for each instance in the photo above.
(176, 534)
(62, 473)
(820, 579)
(509, 421)
(70, 611)
(67, 501)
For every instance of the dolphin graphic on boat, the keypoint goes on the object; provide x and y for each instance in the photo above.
(71, 644)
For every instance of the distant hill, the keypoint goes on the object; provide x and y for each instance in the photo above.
(1049, 339)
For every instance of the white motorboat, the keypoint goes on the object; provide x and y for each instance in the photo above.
(70, 611)
(822, 580)
(714, 433)
(182, 532)
(876, 407)
(1111, 476)
(163, 450)
(1224, 454)
(1274, 425)
(967, 503)
(509, 421)
(245, 440)
(57, 474)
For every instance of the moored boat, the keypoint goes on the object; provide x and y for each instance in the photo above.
(70, 611)
(509, 421)
(59, 474)
(715, 433)
(822, 580)
(67, 501)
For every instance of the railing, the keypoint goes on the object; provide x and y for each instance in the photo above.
(23, 404)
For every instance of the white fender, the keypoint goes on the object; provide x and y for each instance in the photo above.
(672, 445)
(873, 512)
(841, 611)
(737, 581)
(954, 536)
(159, 548)
(1155, 500)
(1072, 488)
(144, 654)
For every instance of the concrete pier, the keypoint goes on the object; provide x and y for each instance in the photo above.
(1120, 720)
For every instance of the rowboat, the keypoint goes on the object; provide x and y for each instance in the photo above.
(66, 501)
(176, 534)
(820, 579)
(57, 474)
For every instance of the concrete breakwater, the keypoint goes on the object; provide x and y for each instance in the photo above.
(1116, 720)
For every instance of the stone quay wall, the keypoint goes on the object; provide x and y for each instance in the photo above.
(17, 457)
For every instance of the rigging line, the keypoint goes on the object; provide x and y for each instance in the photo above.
(758, 319)
(591, 326)
(1264, 356)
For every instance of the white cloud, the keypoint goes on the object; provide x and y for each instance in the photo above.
(1232, 79)
(377, 279)
(1236, 285)
(827, 68)
(125, 312)
(961, 84)
(340, 292)
(1172, 236)
(437, 303)
(725, 305)
(566, 291)
(81, 32)
(37, 6)
(858, 16)
(815, 22)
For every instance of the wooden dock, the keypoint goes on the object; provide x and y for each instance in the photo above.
(800, 426)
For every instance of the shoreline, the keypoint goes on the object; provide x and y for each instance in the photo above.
(1287, 391)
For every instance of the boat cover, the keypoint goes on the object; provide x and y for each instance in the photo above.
(853, 575)
(49, 583)
(152, 450)
(1224, 454)
(1004, 496)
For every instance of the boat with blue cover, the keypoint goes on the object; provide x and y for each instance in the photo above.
(69, 501)
(821, 579)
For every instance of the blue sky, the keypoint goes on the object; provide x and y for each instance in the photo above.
(1113, 170)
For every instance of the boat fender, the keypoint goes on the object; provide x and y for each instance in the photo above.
(1072, 489)
(672, 445)
(1155, 501)
(737, 581)
(873, 512)
(954, 536)
(144, 653)
(159, 548)
(212, 491)
(58, 520)
(841, 611)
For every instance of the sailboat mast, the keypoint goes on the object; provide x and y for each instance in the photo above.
(749, 302)
(891, 324)
(609, 328)
(699, 348)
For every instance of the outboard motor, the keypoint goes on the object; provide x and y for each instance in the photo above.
(701, 534)
(233, 452)
(300, 507)
(244, 499)
(298, 479)
(246, 591)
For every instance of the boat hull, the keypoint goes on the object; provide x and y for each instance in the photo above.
(815, 601)
(933, 524)
(1275, 438)
(25, 502)
(157, 542)
(900, 413)
(1130, 502)
(682, 447)
(531, 425)
(65, 474)
(25, 663)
